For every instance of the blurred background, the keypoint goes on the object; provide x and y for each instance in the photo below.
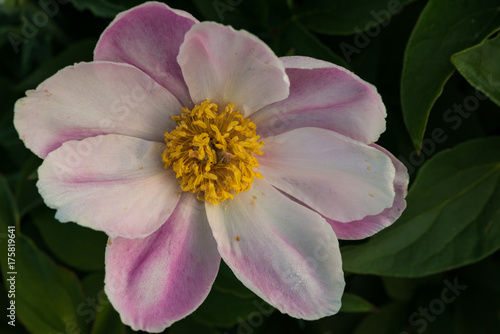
(436, 65)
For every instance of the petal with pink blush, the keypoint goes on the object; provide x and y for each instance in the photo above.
(326, 96)
(91, 99)
(285, 253)
(339, 177)
(155, 281)
(223, 65)
(111, 183)
(370, 225)
(148, 36)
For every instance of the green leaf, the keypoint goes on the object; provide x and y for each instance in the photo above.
(217, 11)
(77, 246)
(295, 39)
(100, 8)
(107, 320)
(189, 325)
(93, 289)
(444, 28)
(229, 302)
(11, 6)
(452, 218)
(403, 289)
(9, 215)
(480, 66)
(27, 196)
(93, 286)
(46, 296)
(77, 52)
(352, 303)
(249, 15)
(97, 308)
(278, 324)
(346, 17)
(390, 319)
(227, 282)
(6, 97)
(222, 309)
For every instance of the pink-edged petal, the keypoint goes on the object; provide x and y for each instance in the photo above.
(335, 175)
(326, 96)
(111, 183)
(223, 65)
(370, 225)
(285, 253)
(155, 281)
(148, 36)
(91, 99)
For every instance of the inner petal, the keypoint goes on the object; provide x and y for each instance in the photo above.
(213, 152)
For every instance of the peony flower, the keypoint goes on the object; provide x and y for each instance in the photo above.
(189, 142)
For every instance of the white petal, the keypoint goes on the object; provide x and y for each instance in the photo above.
(369, 225)
(148, 36)
(282, 251)
(91, 99)
(157, 280)
(341, 178)
(223, 65)
(111, 183)
(326, 96)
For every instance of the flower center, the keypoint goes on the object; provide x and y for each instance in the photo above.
(212, 153)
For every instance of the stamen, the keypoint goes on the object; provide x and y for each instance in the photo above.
(212, 153)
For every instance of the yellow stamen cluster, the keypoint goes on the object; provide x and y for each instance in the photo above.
(212, 153)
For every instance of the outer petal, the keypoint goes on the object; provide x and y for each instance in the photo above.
(339, 177)
(155, 281)
(148, 36)
(112, 183)
(370, 225)
(326, 96)
(223, 65)
(284, 252)
(91, 99)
